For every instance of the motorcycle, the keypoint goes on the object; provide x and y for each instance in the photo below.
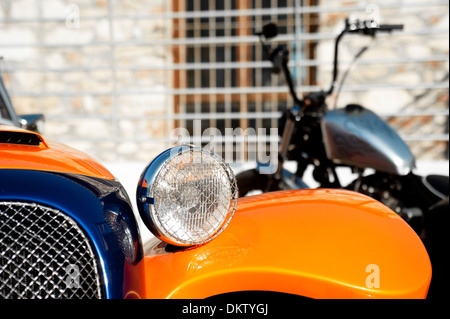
(353, 136)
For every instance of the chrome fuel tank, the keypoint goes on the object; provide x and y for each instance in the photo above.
(358, 137)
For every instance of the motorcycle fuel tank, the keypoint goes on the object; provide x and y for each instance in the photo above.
(358, 137)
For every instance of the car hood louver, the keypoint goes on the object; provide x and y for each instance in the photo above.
(20, 138)
(9, 135)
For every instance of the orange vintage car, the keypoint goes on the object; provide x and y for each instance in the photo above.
(67, 230)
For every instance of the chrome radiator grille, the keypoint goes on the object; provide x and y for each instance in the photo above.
(44, 254)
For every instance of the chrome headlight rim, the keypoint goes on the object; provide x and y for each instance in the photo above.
(147, 204)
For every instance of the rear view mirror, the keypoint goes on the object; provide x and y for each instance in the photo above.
(32, 122)
(269, 31)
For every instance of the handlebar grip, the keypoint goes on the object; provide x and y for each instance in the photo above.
(390, 27)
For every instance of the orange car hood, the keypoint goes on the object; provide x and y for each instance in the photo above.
(47, 156)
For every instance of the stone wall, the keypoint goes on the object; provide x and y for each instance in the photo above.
(100, 82)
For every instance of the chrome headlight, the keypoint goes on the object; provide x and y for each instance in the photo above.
(187, 196)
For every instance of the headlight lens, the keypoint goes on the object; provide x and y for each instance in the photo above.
(192, 197)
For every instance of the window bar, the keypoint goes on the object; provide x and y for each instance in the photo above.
(228, 57)
(220, 65)
(208, 40)
(179, 57)
(170, 103)
(212, 72)
(114, 94)
(243, 52)
(183, 14)
(275, 80)
(235, 90)
(258, 71)
(298, 57)
(196, 129)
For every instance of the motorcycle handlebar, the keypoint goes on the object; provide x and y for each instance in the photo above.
(366, 27)
(370, 27)
(279, 60)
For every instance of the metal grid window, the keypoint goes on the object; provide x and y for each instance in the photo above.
(228, 81)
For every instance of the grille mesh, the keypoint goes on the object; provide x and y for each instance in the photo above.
(44, 254)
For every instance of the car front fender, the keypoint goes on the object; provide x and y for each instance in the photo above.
(314, 243)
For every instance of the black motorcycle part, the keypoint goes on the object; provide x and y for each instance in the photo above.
(252, 180)
(436, 242)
